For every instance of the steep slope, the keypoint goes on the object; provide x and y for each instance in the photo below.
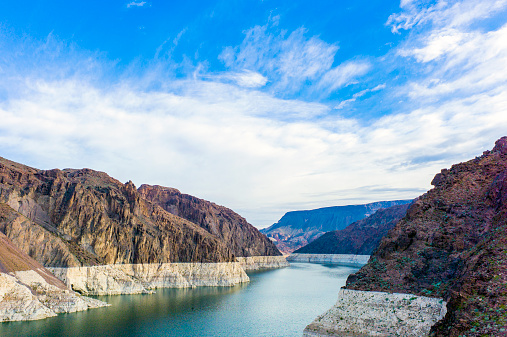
(29, 291)
(360, 237)
(296, 229)
(452, 244)
(90, 218)
(241, 237)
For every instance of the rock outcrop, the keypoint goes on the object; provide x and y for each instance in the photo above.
(452, 244)
(380, 314)
(360, 237)
(299, 228)
(28, 291)
(239, 236)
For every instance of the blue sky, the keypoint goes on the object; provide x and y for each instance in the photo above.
(262, 106)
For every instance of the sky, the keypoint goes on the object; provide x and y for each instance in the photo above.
(261, 106)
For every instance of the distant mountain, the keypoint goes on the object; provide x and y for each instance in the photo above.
(239, 236)
(360, 237)
(452, 244)
(298, 228)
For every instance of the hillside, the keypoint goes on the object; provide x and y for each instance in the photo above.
(452, 244)
(238, 235)
(298, 228)
(360, 237)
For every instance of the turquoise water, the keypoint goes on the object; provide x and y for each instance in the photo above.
(277, 302)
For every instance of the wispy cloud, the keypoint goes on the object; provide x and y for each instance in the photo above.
(246, 78)
(136, 4)
(359, 94)
(293, 62)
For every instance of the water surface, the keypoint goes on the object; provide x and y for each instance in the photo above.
(278, 302)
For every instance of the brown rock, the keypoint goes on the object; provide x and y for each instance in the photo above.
(240, 236)
(99, 220)
(452, 244)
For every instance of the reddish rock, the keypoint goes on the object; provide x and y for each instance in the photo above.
(237, 234)
(452, 244)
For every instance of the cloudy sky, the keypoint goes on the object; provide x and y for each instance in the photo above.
(261, 106)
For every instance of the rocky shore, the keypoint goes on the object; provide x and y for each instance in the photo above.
(26, 296)
(372, 313)
(330, 258)
(142, 278)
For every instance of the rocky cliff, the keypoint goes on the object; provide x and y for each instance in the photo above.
(360, 237)
(297, 229)
(238, 235)
(452, 244)
(83, 217)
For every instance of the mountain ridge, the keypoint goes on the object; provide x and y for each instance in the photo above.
(298, 228)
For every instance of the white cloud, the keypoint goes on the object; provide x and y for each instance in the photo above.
(136, 4)
(245, 78)
(342, 75)
(226, 144)
(292, 61)
(450, 14)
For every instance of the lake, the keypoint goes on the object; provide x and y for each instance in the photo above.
(278, 302)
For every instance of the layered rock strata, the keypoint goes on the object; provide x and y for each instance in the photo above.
(379, 314)
(262, 262)
(241, 237)
(359, 260)
(142, 278)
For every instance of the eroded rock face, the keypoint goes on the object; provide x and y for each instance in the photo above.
(360, 237)
(98, 220)
(452, 244)
(240, 236)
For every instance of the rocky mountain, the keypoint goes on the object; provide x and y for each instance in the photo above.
(237, 234)
(66, 218)
(452, 244)
(298, 228)
(360, 237)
